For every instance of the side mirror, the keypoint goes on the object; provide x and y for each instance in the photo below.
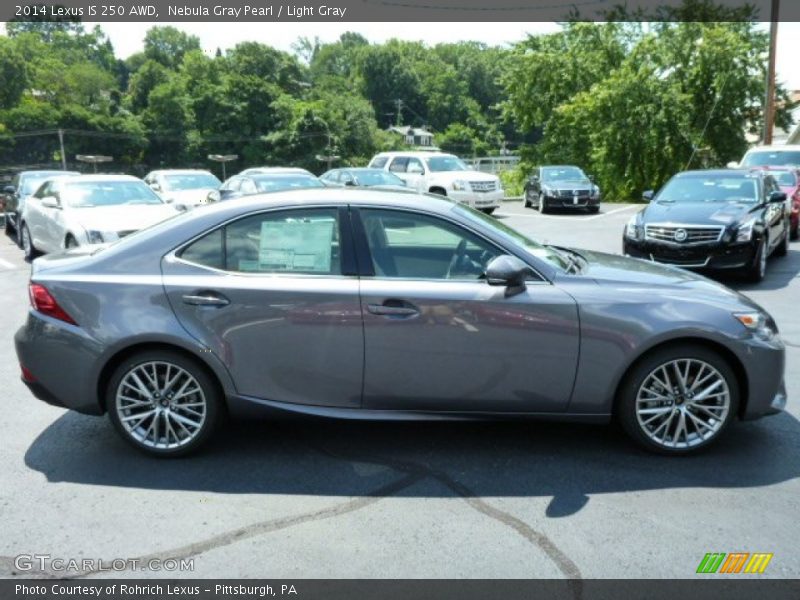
(777, 197)
(9, 189)
(50, 202)
(590, 178)
(733, 165)
(350, 183)
(213, 196)
(155, 187)
(648, 195)
(508, 271)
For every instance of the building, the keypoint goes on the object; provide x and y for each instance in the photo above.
(414, 136)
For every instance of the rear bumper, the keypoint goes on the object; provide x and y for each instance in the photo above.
(61, 358)
(706, 256)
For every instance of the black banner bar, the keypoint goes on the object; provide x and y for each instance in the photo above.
(393, 10)
(702, 588)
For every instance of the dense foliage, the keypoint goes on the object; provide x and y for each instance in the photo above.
(630, 103)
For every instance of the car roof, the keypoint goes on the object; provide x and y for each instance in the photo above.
(560, 167)
(414, 153)
(268, 170)
(178, 171)
(50, 173)
(743, 173)
(103, 178)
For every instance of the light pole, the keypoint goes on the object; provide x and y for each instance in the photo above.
(769, 104)
(223, 158)
(329, 157)
(93, 159)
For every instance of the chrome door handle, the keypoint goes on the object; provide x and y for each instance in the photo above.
(205, 300)
(392, 311)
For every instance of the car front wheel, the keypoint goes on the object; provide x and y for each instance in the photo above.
(678, 400)
(163, 403)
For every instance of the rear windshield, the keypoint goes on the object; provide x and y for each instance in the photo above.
(763, 158)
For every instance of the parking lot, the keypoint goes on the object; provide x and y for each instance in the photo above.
(318, 499)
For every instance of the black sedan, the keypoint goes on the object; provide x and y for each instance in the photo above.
(561, 186)
(714, 219)
(376, 179)
(260, 180)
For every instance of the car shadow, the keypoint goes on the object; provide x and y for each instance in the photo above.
(566, 462)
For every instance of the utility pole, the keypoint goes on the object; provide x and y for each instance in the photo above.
(399, 121)
(769, 104)
(63, 156)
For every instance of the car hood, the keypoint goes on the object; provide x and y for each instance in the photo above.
(188, 197)
(464, 175)
(389, 188)
(699, 213)
(621, 271)
(569, 184)
(125, 217)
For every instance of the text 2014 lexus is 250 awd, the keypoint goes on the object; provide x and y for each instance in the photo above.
(362, 304)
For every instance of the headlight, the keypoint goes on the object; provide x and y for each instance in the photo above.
(595, 191)
(460, 185)
(101, 237)
(745, 231)
(759, 323)
(633, 230)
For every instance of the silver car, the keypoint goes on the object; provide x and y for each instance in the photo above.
(376, 305)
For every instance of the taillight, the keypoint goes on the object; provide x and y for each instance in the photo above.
(42, 300)
(27, 376)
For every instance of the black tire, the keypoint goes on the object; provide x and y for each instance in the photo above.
(543, 205)
(29, 249)
(8, 228)
(756, 271)
(488, 211)
(626, 402)
(783, 247)
(593, 210)
(526, 199)
(438, 192)
(70, 243)
(211, 396)
(793, 232)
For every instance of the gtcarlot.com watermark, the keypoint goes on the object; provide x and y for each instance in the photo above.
(25, 563)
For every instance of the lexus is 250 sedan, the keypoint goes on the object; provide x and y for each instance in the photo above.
(358, 304)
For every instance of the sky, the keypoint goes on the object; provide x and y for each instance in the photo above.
(127, 37)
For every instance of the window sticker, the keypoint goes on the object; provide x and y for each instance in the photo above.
(296, 245)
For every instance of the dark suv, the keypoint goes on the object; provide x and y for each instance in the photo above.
(561, 186)
(23, 185)
(715, 219)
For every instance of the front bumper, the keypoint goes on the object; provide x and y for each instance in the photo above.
(580, 201)
(478, 199)
(764, 364)
(695, 256)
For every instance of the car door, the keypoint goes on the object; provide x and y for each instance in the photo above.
(274, 295)
(438, 337)
(415, 174)
(41, 220)
(55, 229)
(398, 167)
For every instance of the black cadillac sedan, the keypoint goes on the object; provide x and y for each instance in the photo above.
(712, 219)
(561, 186)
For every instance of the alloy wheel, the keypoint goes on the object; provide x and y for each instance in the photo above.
(160, 405)
(683, 403)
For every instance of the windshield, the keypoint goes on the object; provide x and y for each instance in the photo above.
(190, 181)
(550, 174)
(709, 189)
(445, 163)
(31, 183)
(277, 183)
(764, 158)
(514, 237)
(368, 178)
(784, 178)
(107, 193)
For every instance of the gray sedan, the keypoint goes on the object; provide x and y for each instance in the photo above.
(375, 305)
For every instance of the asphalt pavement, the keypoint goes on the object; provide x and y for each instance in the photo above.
(317, 499)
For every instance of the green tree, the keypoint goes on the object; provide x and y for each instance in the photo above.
(13, 74)
(168, 45)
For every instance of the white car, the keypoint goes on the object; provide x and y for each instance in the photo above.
(769, 156)
(444, 174)
(89, 209)
(187, 187)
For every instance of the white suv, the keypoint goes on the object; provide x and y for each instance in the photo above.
(443, 174)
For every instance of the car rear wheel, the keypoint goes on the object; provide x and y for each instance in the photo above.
(678, 400)
(527, 199)
(163, 403)
(487, 211)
